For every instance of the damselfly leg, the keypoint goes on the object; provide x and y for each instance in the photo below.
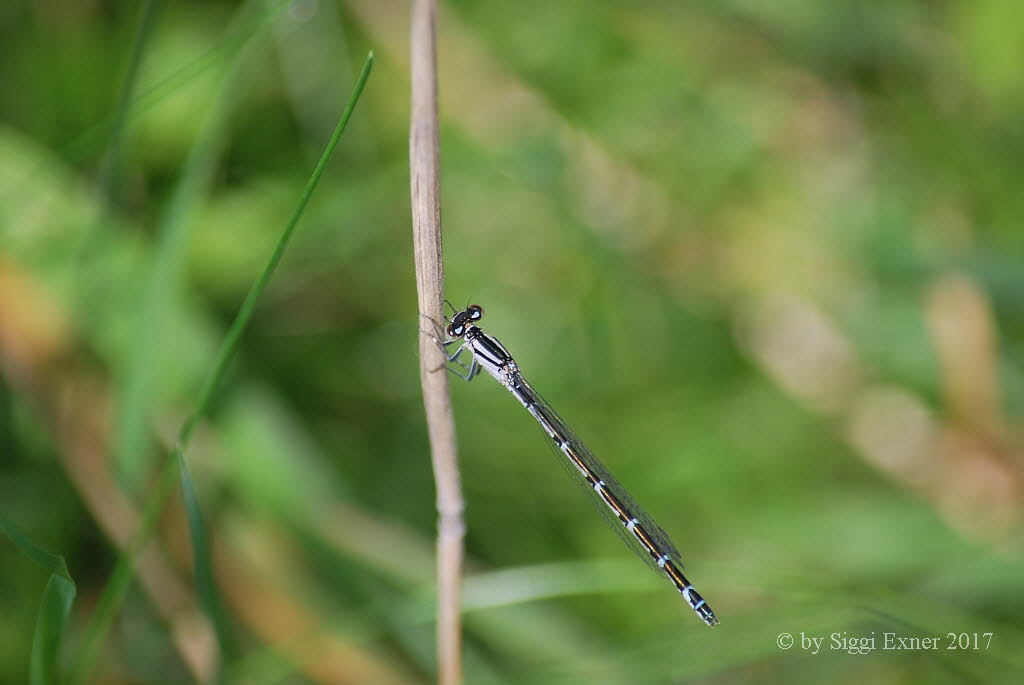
(451, 358)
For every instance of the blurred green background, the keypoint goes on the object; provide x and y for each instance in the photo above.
(765, 258)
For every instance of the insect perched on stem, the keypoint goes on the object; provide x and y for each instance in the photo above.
(637, 529)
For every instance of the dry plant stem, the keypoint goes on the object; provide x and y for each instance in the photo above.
(424, 163)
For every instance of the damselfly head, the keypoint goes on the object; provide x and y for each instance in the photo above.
(457, 328)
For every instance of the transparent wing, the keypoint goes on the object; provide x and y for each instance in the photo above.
(660, 539)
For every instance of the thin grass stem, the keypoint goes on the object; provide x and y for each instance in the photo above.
(425, 188)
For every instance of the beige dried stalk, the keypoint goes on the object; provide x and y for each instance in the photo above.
(425, 182)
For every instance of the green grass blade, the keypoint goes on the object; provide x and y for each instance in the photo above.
(230, 344)
(108, 186)
(110, 172)
(200, 549)
(133, 424)
(203, 568)
(120, 580)
(103, 131)
(54, 609)
(121, 577)
(132, 445)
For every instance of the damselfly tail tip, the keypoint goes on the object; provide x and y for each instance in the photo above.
(705, 614)
(699, 605)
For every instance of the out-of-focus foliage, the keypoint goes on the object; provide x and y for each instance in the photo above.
(765, 258)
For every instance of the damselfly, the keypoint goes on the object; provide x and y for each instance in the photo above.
(637, 529)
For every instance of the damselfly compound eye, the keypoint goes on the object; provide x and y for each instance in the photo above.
(476, 312)
(454, 331)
